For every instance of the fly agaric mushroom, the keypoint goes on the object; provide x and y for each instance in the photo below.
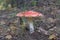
(29, 15)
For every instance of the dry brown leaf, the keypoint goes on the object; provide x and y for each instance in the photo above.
(13, 28)
(8, 37)
(50, 20)
(2, 22)
(52, 36)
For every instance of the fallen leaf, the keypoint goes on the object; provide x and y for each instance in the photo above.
(8, 37)
(52, 36)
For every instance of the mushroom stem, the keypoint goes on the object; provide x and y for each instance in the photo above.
(31, 26)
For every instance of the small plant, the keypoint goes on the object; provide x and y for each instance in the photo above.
(34, 3)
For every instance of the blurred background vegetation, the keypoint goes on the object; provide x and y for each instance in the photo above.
(25, 4)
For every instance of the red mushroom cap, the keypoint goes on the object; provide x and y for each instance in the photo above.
(29, 14)
(20, 14)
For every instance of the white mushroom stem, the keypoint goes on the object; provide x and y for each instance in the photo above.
(31, 26)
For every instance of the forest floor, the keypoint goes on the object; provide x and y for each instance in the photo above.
(7, 23)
